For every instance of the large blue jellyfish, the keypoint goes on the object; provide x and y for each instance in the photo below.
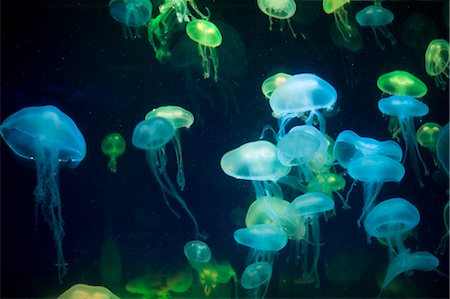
(131, 13)
(377, 18)
(405, 108)
(50, 138)
(152, 135)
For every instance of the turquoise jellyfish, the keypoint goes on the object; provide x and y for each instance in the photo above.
(405, 108)
(442, 148)
(197, 253)
(309, 207)
(390, 219)
(50, 138)
(132, 14)
(256, 276)
(302, 96)
(377, 18)
(373, 171)
(152, 135)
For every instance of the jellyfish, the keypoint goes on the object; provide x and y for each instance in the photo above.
(390, 219)
(271, 83)
(337, 8)
(405, 108)
(302, 96)
(50, 138)
(443, 242)
(113, 145)
(427, 136)
(309, 207)
(401, 83)
(418, 30)
(208, 37)
(437, 59)
(197, 253)
(377, 18)
(442, 148)
(256, 276)
(131, 13)
(279, 9)
(86, 291)
(213, 273)
(183, 10)
(152, 135)
(328, 183)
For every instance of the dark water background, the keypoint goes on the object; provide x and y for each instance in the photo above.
(72, 54)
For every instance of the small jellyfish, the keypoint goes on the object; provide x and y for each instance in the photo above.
(208, 37)
(256, 276)
(132, 14)
(279, 9)
(271, 83)
(377, 18)
(427, 136)
(197, 253)
(442, 148)
(337, 8)
(113, 145)
(437, 61)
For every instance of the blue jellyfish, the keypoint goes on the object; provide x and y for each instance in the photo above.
(373, 171)
(377, 18)
(302, 96)
(131, 13)
(152, 135)
(309, 207)
(50, 138)
(405, 108)
(255, 277)
(390, 219)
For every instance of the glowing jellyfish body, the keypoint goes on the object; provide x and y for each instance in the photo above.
(377, 18)
(131, 13)
(208, 37)
(113, 145)
(309, 207)
(337, 8)
(401, 83)
(427, 136)
(373, 171)
(262, 237)
(271, 83)
(197, 253)
(278, 9)
(84, 291)
(255, 276)
(302, 96)
(405, 108)
(442, 148)
(182, 9)
(437, 60)
(213, 273)
(152, 135)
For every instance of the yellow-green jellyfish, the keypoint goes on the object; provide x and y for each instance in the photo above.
(437, 61)
(278, 9)
(336, 7)
(271, 83)
(84, 291)
(402, 83)
(427, 136)
(113, 145)
(208, 37)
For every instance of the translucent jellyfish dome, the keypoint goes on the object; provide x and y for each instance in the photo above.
(262, 237)
(131, 13)
(377, 18)
(153, 133)
(402, 83)
(271, 83)
(256, 275)
(178, 116)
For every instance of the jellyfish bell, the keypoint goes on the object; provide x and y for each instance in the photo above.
(337, 8)
(262, 237)
(197, 253)
(437, 60)
(113, 145)
(427, 134)
(178, 116)
(401, 83)
(278, 9)
(132, 14)
(271, 83)
(153, 133)
(377, 18)
(85, 291)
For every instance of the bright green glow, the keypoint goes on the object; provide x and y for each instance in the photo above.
(113, 145)
(331, 6)
(326, 183)
(214, 272)
(427, 134)
(159, 33)
(271, 83)
(437, 60)
(279, 9)
(178, 116)
(85, 291)
(336, 7)
(402, 83)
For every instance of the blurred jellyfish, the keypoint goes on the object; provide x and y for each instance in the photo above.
(113, 145)
(131, 13)
(152, 135)
(328, 183)
(442, 148)
(337, 8)
(302, 96)
(271, 83)
(50, 138)
(213, 273)
(183, 9)
(405, 108)
(437, 59)
(418, 30)
(427, 136)
(309, 207)
(443, 242)
(377, 18)
(255, 277)
(85, 291)
(279, 9)
(208, 37)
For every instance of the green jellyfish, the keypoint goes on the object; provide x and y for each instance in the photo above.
(279, 9)
(212, 273)
(427, 136)
(336, 7)
(208, 37)
(328, 183)
(81, 290)
(437, 61)
(271, 83)
(113, 145)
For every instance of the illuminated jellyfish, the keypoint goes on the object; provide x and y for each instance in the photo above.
(303, 147)
(427, 136)
(302, 96)
(271, 83)
(197, 253)
(309, 207)
(373, 171)
(113, 145)
(328, 183)
(86, 291)
(279, 9)
(401, 83)
(377, 18)
(443, 242)
(336, 7)
(351, 41)
(213, 273)
(131, 13)
(405, 108)
(390, 219)
(208, 37)
(442, 148)
(152, 135)
(182, 9)
(180, 118)
(437, 59)
(255, 277)
(50, 138)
